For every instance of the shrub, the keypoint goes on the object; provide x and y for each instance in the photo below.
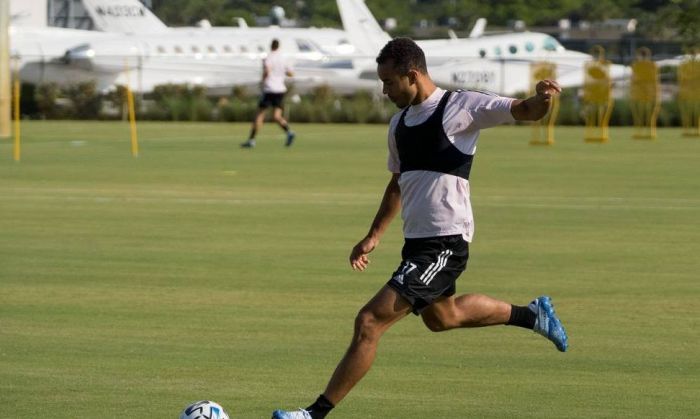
(86, 100)
(46, 96)
(669, 114)
(27, 100)
(179, 102)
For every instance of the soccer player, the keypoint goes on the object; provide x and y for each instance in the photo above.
(275, 69)
(432, 141)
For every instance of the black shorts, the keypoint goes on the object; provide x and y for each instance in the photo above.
(271, 99)
(429, 269)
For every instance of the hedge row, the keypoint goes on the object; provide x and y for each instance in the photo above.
(186, 103)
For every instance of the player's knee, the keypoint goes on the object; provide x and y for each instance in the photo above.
(435, 324)
(440, 320)
(367, 327)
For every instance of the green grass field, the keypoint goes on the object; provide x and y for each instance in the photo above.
(130, 287)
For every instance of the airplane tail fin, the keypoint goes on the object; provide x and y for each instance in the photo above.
(362, 27)
(478, 28)
(125, 16)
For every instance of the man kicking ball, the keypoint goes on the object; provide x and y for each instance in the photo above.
(432, 141)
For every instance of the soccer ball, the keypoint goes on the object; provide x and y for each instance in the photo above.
(204, 409)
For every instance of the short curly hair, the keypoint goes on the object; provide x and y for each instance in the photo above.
(405, 54)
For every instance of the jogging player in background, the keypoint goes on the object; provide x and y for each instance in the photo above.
(432, 141)
(275, 69)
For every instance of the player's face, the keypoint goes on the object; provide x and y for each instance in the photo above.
(401, 89)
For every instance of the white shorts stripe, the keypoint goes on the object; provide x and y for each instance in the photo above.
(432, 267)
(435, 267)
(441, 267)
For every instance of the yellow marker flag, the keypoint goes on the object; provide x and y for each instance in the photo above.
(644, 95)
(597, 97)
(689, 96)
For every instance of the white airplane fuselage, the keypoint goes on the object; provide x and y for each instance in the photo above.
(497, 63)
(217, 58)
(501, 63)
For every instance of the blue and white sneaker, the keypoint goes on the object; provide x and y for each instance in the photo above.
(547, 323)
(290, 138)
(248, 144)
(297, 414)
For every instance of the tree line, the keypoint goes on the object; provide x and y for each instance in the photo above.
(657, 19)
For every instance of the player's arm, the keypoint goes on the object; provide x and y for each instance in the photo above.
(265, 71)
(536, 107)
(391, 203)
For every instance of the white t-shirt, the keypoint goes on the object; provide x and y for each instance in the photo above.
(277, 68)
(433, 203)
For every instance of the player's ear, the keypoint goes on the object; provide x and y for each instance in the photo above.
(412, 76)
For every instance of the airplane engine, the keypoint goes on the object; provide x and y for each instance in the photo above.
(104, 57)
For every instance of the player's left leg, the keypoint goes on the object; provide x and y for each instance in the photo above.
(379, 314)
(376, 317)
(277, 115)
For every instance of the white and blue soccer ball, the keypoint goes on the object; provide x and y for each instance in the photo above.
(204, 409)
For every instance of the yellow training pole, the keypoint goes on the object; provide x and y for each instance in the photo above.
(132, 123)
(540, 71)
(16, 150)
(132, 113)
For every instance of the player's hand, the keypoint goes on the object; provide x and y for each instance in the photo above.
(358, 256)
(547, 88)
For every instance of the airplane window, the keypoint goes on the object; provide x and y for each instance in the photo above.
(529, 46)
(513, 49)
(227, 48)
(195, 49)
(244, 49)
(344, 47)
(261, 49)
(178, 49)
(550, 44)
(482, 53)
(303, 45)
(497, 51)
(160, 49)
(211, 49)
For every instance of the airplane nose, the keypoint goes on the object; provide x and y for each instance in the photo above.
(81, 56)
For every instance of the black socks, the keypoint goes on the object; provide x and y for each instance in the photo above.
(522, 316)
(320, 408)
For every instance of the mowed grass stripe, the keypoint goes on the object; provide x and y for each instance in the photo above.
(133, 286)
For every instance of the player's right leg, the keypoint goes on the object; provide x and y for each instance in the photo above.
(469, 310)
(476, 310)
(257, 124)
(548, 323)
